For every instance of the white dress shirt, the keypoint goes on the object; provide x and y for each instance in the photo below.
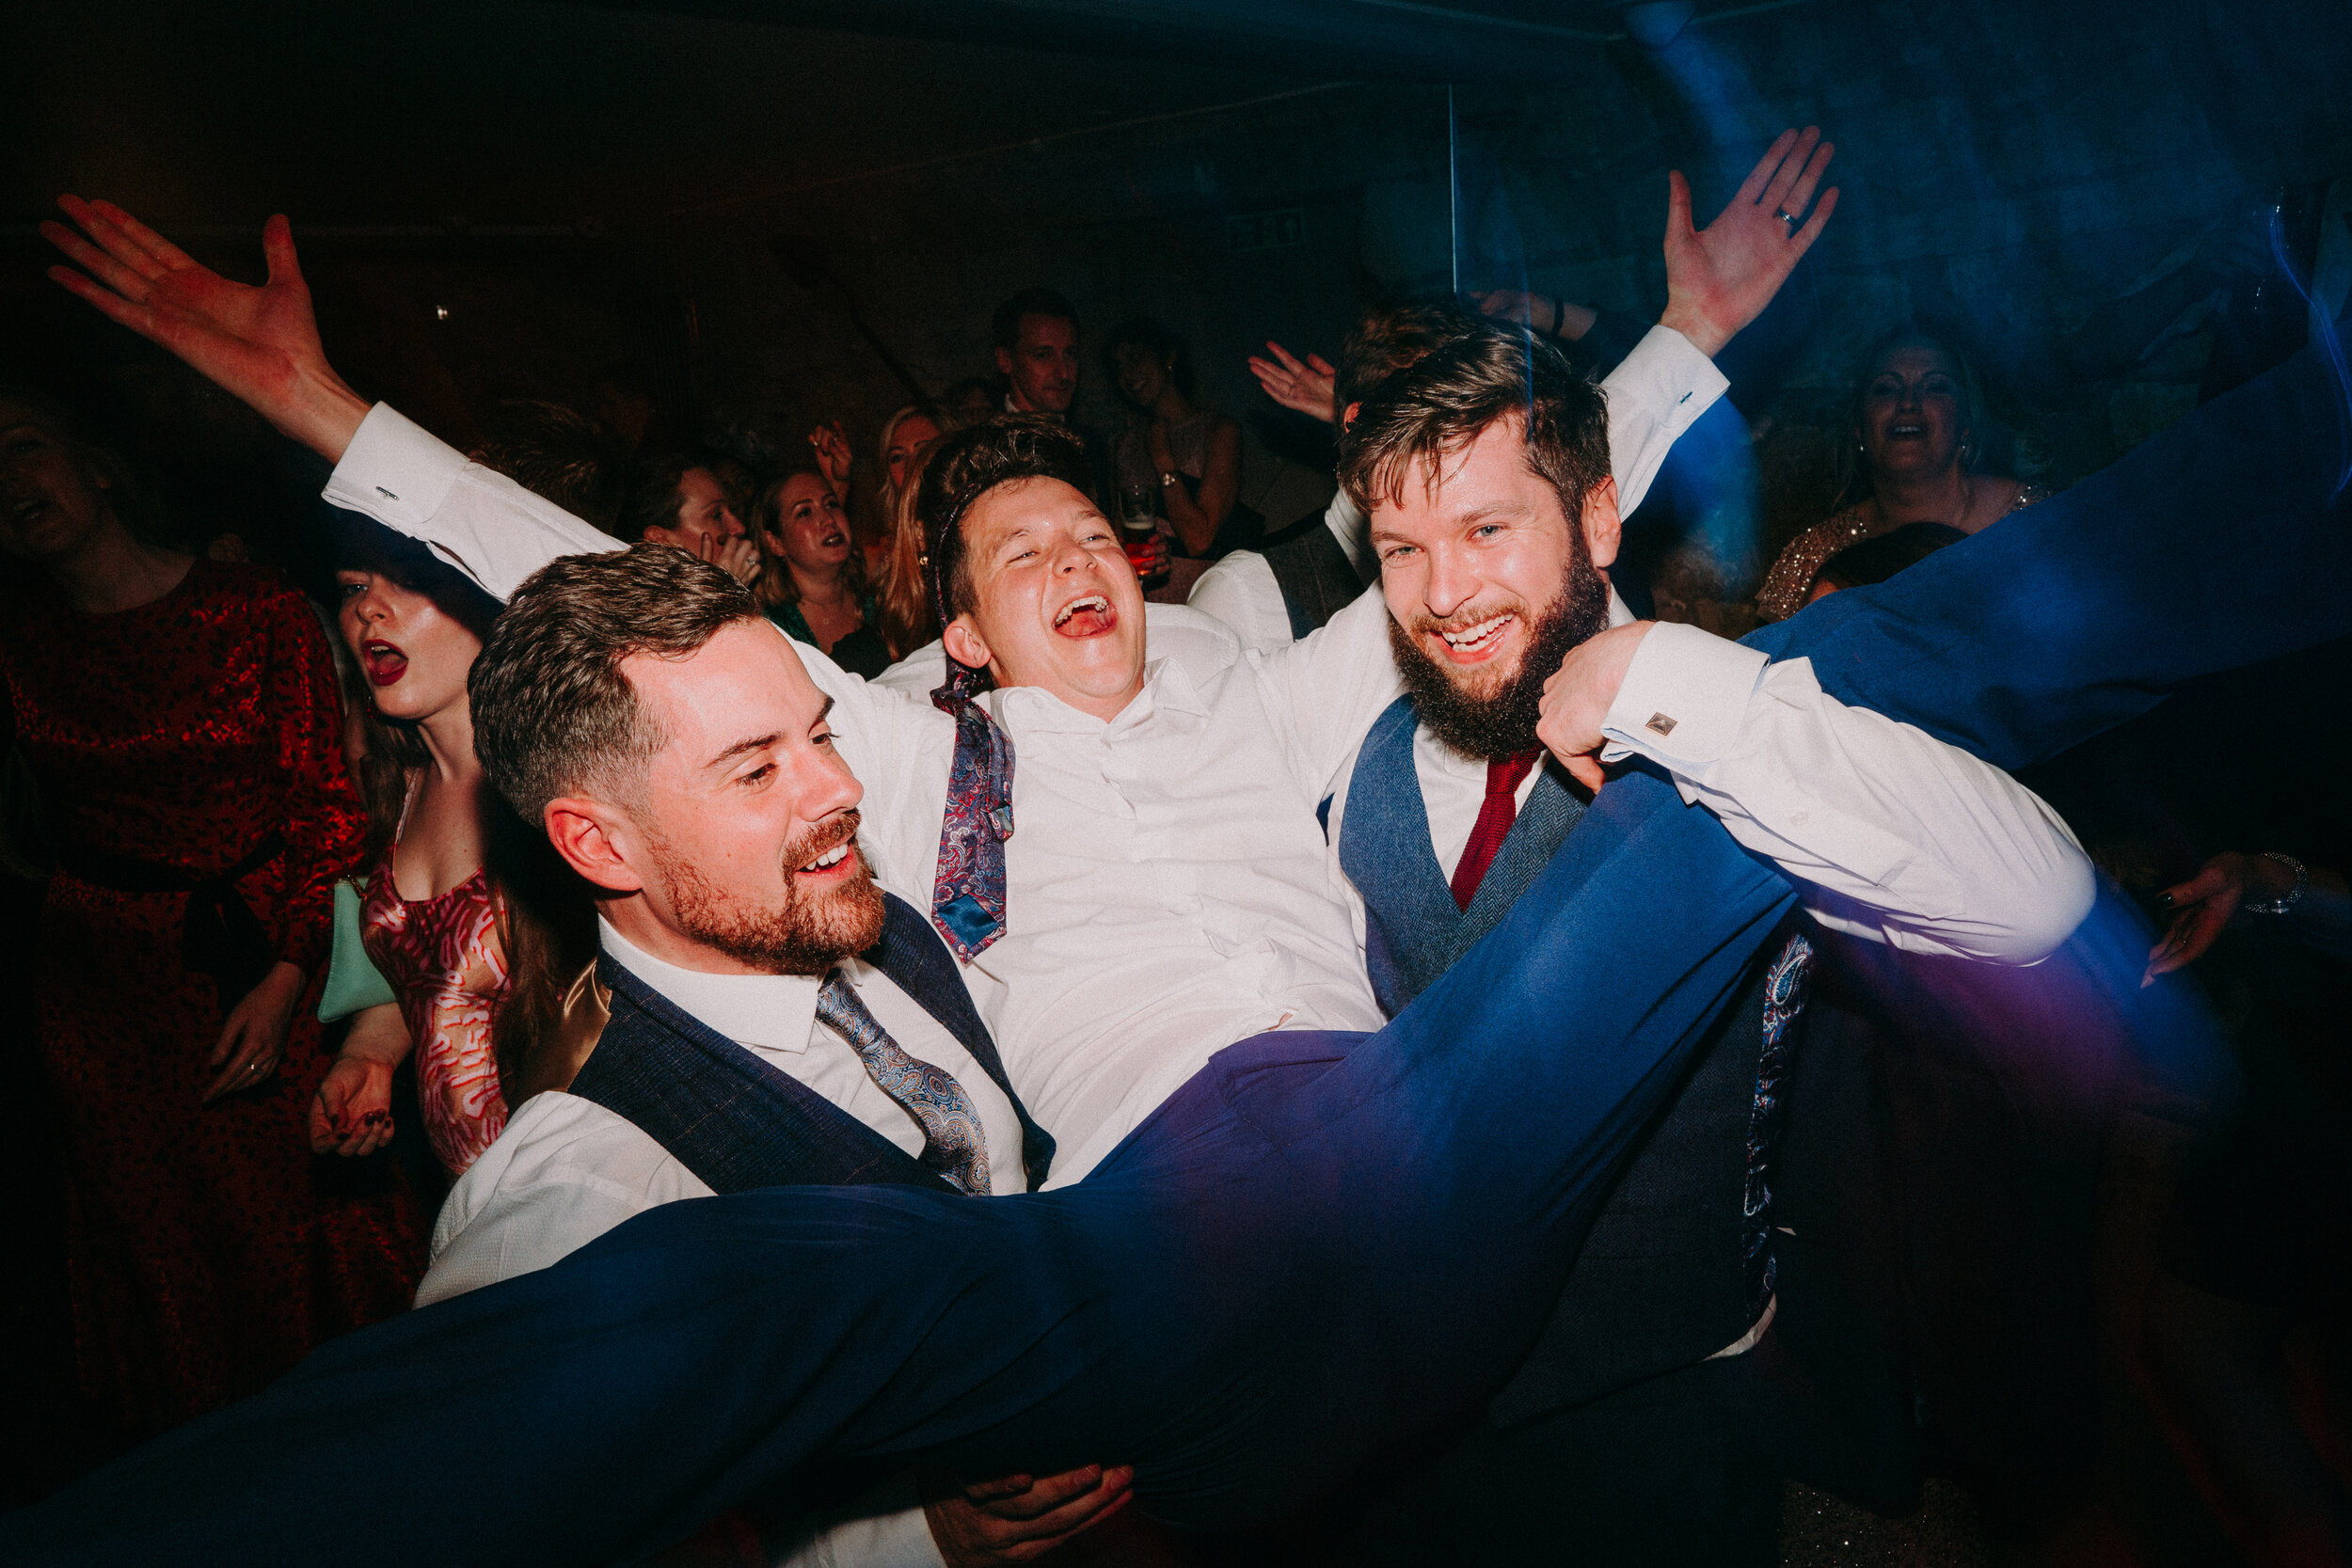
(1169, 891)
(1240, 589)
(565, 1170)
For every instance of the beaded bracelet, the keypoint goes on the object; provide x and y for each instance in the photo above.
(2302, 881)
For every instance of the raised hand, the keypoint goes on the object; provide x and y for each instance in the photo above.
(831, 447)
(1719, 278)
(258, 344)
(1304, 387)
(1521, 307)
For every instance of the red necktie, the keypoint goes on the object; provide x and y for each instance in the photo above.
(1494, 813)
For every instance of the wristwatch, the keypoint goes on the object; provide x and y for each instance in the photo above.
(2302, 881)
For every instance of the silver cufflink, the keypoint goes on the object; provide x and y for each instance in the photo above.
(1660, 724)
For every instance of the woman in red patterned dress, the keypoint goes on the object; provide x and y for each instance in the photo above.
(180, 718)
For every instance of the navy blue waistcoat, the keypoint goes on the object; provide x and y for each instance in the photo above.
(1678, 1264)
(738, 1123)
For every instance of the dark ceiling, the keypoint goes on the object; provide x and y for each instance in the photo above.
(504, 113)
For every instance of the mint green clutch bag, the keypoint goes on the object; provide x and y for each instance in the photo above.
(352, 982)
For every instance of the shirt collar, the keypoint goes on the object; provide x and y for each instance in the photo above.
(771, 1012)
(1036, 710)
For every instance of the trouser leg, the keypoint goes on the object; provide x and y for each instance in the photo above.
(603, 1408)
(1664, 1474)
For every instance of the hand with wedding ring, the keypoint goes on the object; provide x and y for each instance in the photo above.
(831, 445)
(254, 1036)
(1719, 278)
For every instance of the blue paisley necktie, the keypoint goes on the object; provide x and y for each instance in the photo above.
(968, 893)
(952, 1144)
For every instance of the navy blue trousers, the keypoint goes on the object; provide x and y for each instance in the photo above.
(1321, 1244)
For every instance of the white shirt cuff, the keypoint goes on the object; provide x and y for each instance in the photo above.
(1682, 701)
(886, 1528)
(1671, 368)
(395, 471)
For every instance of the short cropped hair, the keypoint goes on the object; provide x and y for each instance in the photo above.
(1006, 326)
(1447, 399)
(557, 453)
(1387, 338)
(553, 714)
(967, 465)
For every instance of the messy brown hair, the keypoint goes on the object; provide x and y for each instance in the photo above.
(1444, 401)
(969, 464)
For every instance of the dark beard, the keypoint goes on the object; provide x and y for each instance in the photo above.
(806, 935)
(1501, 722)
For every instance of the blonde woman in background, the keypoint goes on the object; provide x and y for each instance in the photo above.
(909, 619)
(812, 575)
(1915, 439)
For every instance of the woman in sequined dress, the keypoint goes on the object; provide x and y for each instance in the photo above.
(179, 716)
(1915, 433)
(453, 897)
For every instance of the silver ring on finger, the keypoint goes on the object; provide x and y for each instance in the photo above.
(1788, 218)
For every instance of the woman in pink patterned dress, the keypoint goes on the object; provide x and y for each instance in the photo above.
(438, 920)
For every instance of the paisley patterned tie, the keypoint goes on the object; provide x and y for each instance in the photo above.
(968, 889)
(952, 1144)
